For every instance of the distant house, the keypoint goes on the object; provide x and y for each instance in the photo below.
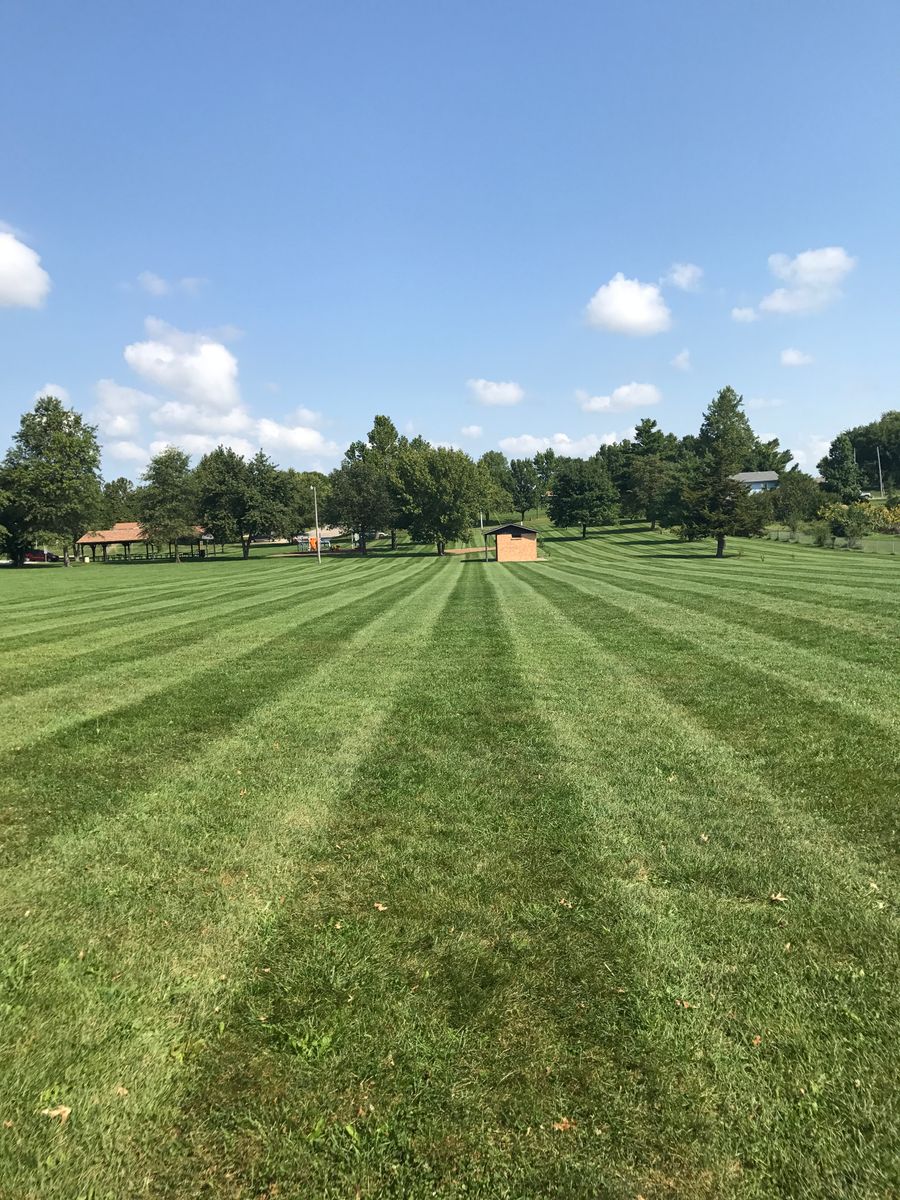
(515, 543)
(757, 481)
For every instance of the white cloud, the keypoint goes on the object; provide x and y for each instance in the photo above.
(189, 364)
(194, 416)
(202, 443)
(155, 285)
(53, 389)
(487, 391)
(744, 315)
(686, 276)
(301, 438)
(629, 395)
(813, 279)
(795, 358)
(629, 306)
(126, 451)
(764, 402)
(526, 444)
(471, 431)
(204, 408)
(118, 410)
(23, 281)
(682, 360)
(812, 449)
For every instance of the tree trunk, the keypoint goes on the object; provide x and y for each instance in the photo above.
(584, 531)
(245, 546)
(362, 544)
(653, 524)
(720, 545)
(440, 549)
(66, 555)
(523, 512)
(393, 539)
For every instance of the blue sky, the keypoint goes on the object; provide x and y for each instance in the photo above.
(261, 224)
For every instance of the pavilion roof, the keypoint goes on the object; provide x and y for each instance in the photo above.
(121, 532)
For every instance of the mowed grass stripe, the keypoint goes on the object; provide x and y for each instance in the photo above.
(817, 668)
(144, 634)
(124, 940)
(84, 771)
(833, 760)
(90, 623)
(31, 723)
(752, 566)
(445, 1004)
(778, 1019)
(746, 595)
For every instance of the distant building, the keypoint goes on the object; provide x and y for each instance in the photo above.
(127, 534)
(757, 481)
(515, 543)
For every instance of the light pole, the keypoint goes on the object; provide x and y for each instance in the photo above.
(312, 488)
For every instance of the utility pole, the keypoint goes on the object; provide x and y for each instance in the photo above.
(880, 480)
(312, 488)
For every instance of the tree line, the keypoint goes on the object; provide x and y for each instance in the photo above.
(51, 487)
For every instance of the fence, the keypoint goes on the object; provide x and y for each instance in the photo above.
(873, 543)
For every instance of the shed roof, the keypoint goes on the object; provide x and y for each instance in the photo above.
(756, 477)
(508, 529)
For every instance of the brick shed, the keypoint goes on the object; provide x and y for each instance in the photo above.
(515, 543)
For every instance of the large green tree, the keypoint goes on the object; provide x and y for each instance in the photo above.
(796, 499)
(651, 471)
(439, 492)
(496, 483)
(545, 465)
(525, 484)
(118, 501)
(266, 508)
(358, 500)
(710, 503)
(878, 439)
(222, 483)
(49, 479)
(842, 476)
(583, 494)
(167, 503)
(300, 509)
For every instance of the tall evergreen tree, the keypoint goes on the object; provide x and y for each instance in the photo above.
(842, 476)
(710, 502)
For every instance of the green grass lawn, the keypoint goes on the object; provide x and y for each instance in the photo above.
(406, 877)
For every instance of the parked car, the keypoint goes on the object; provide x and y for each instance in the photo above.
(41, 556)
(865, 495)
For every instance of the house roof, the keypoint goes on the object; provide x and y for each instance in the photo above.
(756, 477)
(121, 532)
(508, 528)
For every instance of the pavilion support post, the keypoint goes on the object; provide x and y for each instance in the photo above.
(105, 553)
